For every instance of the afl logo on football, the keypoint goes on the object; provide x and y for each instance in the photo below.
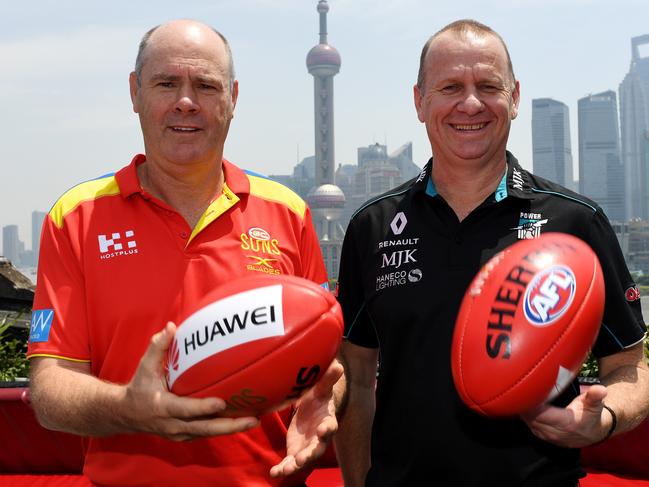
(173, 356)
(259, 234)
(549, 295)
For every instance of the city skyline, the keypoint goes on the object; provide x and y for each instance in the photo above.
(75, 123)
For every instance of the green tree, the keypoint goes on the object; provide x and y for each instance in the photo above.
(13, 346)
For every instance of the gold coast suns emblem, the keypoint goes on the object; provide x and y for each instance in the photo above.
(258, 241)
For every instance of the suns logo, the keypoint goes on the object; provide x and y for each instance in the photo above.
(549, 295)
(173, 356)
(258, 240)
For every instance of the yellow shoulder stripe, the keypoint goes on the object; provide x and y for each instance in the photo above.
(273, 191)
(90, 190)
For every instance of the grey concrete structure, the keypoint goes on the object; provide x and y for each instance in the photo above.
(37, 224)
(325, 199)
(634, 126)
(11, 244)
(601, 174)
(551, 151)
(323, 63)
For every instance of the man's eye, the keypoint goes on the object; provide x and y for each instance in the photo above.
(450, 89)
(165, 84)
(490, 88)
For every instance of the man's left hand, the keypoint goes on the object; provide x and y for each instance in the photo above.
(581, 423)
(312, 425)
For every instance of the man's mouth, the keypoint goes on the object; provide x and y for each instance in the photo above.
(185, 129)
(468, 126)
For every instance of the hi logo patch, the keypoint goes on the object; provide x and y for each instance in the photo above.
(39, 329)
(529, 225)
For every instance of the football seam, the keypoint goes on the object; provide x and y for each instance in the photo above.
(550, 349)
(267, 354)
(465, 391)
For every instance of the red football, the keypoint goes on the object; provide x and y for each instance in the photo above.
(257, 342)
(526, 324)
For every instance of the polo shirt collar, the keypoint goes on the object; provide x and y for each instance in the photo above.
(127, 179)
(235, 179)
(236, 184)
(515, 181)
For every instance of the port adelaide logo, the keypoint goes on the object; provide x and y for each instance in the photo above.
(529, 225)
(261, 250)
(549, 295)
(244, 317)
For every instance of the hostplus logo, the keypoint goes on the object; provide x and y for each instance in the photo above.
(114, 245)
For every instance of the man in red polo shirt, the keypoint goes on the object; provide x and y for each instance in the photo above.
(124, 254)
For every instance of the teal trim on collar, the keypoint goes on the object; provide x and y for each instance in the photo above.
(430, 187)
(501, 190)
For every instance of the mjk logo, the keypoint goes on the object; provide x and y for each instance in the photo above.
(39, 330)
(105, 243)
(398, 223)
(517, 179)
(398, 257)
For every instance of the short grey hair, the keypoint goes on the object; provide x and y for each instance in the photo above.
(461, 27)
(139, 60)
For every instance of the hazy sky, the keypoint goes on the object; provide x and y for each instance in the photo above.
(64, 64)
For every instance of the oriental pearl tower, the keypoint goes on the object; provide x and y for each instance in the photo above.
(326, 199)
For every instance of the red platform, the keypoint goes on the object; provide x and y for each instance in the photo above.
(33, 456)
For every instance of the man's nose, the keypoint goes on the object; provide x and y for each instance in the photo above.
(186, 101)
(471, 103)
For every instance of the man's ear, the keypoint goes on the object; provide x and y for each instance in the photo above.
(516, 98)
(419, 99)
(134, 88)
(234, 95)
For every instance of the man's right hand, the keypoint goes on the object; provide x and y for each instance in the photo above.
(67, 397)
(150, 407)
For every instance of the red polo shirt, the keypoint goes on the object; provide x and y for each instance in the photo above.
(116, 264)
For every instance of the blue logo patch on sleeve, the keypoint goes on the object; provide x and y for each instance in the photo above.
(40, 326)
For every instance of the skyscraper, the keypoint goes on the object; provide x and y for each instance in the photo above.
(601, 174)
(552, 156)
(37, 224)
(323, 62)
(634, 125)
(325, 199)
(11, 245)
